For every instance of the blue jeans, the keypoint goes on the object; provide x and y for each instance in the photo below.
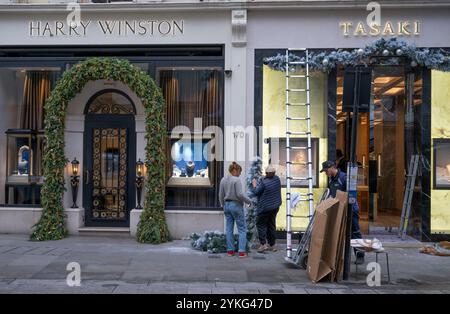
(234, 212)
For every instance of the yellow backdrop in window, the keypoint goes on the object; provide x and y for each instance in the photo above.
(274, 125)
(440, 128)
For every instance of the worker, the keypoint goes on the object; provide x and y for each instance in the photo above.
(337, 180)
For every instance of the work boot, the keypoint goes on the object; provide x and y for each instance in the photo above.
(359, 258)
(262, 248)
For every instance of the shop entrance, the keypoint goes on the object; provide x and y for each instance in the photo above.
(109, 159)
(387, 137)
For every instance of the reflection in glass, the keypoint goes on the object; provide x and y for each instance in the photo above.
(442, 163)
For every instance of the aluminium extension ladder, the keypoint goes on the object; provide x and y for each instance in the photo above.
(300, 257)
(290, 120)
(407, 198)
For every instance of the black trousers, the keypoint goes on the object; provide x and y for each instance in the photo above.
(266, 225)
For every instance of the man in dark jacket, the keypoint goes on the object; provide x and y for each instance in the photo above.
(269, 201)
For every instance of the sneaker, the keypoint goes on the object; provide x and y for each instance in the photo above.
(262, 248)
(230, 253)
(242, 254)
(359, 258)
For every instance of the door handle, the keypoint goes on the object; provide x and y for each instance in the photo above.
(379, 165)
(87, 177)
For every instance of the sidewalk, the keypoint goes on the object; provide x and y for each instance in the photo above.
(121, 265)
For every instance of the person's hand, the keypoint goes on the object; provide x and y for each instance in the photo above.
(254, 183)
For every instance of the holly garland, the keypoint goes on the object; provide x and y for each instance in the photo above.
(392, 51)
(152, 227)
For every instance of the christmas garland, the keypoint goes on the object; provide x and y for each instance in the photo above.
(213, 242)
(216, 241)
(152, 227)
(392, 51)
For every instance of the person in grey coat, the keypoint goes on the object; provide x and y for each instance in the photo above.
(232, 199)
(269, 202)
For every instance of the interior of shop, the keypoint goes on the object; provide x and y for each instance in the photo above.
(387, 137)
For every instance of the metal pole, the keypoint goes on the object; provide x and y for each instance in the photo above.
(352, 162)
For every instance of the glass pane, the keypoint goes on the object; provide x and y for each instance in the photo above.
(387, 137)
(111, 103)
(192, 93)
(109, 173)
(24, 91)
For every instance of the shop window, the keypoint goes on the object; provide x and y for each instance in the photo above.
(441, 163)
(22, 97)
(194, 102)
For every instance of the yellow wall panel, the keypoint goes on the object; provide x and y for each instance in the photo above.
(440, 128)
(274, 125)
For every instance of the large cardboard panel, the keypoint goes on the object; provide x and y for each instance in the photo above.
(319, 264)
(339, 235)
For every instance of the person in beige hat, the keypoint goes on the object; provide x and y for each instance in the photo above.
(269, 201)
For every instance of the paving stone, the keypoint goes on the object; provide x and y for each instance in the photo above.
(236, 275)
(318, 291)
(239, 290)
(293, 290)
(7, 248)
(142, 275)
(20, 250)
(14, 272)
(364, 291)
(59, 252)
(341, 291)
(222, 290)
(271, 291)
(430, 291)
(41, 250)
(38, 260)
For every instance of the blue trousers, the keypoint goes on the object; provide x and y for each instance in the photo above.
(356, 231)
(234, 213)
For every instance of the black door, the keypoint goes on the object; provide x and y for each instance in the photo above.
(109, 169)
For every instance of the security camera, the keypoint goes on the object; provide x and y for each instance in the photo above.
(228, 73)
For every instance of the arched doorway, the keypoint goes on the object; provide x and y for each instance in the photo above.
(109, 159)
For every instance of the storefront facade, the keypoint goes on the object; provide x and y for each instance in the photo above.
(209, 63)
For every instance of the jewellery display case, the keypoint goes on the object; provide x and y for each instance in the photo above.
(24, 166)
(191, 161)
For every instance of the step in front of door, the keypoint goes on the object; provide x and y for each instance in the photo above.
(104, 231)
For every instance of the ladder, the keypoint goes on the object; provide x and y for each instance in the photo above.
(301, 254)
(407, 198)
(290, 122)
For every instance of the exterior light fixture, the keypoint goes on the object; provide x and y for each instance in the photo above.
(139, 181)
(75, 181)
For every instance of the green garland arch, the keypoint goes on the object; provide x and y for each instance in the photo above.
(152, 227)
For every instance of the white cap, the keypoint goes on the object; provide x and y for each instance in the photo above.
(270, 169)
